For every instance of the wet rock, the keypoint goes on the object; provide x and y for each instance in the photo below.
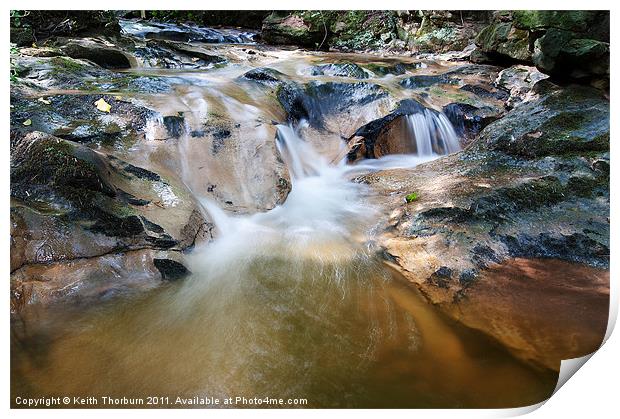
(534, 327)
(575, 247)
(265, 75)
(76, 118)
(441, 277)
(171, 270)
(508, 195)
(175, 125)
(77, 185)
(62, 72)
(317, 99)
(41, 52)
(416, 82)
(382, 70)
(384, 135)
(169, 54)
(182, 32)
(485, 92)
(85, 281)
(97, 51)
(469, 120)
(42, 165)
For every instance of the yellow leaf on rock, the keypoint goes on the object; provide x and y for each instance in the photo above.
(43, 100)
(118, 97)
(103, 106)
(27, 122)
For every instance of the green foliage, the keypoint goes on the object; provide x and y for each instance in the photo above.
(17, 17)
(14, 70)
(411, 197)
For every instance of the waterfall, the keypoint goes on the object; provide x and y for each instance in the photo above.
(320, 220)
(432, 133)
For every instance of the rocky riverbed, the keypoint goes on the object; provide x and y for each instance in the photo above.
(118, 137)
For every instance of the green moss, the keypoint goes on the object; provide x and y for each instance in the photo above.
(457, 96)
(586, 186)
(62, 65)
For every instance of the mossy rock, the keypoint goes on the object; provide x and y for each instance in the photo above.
(564, 56)
(563, 121)
(570, 20)
(504, 40)
(43, 165)
(290, 29)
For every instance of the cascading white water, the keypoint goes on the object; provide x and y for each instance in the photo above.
(432, 133)
(321, 218)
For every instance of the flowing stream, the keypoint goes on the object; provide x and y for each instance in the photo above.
(291, 302)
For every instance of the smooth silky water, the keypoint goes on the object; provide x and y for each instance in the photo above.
(287, 303)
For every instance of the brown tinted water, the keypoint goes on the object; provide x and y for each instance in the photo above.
(350, 335)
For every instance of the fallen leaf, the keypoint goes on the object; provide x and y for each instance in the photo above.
(103, 106)
(118, 97)
(27, 122)
(194, 59)
(43, 100)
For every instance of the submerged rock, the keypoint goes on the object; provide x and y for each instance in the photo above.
(171, 270)
(339, 70)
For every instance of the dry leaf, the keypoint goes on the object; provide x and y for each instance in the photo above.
(43, 100)
(103, 106)
(118, 97)
(27, 122)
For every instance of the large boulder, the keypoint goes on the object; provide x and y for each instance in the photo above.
(290, 29)
(75, 211)
(98, 51)
(560, 122)
(533, 186)
(568, 45)
(564, 56)
(503, 41)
